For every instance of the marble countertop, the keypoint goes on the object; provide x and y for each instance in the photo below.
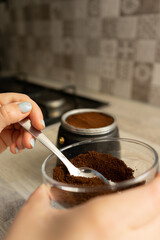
(20, 174)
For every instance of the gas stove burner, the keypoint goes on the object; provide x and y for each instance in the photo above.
(50, 99)
(53, 103)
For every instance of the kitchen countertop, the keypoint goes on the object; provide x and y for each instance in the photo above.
(20, 174)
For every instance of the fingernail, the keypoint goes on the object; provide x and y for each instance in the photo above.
(17, 150)
(25, 107)
(32, 142)
(43, 123)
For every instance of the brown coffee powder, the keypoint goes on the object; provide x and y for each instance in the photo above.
(89, 120)
(110, 167)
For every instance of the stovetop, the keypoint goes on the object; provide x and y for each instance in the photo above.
(52, 102)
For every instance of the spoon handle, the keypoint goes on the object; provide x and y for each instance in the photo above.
(26, 123)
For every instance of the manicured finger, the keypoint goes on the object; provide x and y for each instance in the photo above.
(36, 115)
(28, 140)
(13, 112)
(13, 148)
(19, 140)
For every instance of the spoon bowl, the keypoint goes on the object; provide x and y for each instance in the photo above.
(77, 172)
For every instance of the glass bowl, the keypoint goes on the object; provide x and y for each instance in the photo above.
(139, 156)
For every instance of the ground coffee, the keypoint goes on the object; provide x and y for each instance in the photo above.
(89, 120)
(111, 167)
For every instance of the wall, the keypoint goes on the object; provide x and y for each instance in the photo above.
(110, 46)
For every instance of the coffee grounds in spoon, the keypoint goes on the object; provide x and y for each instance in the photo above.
(110, 167)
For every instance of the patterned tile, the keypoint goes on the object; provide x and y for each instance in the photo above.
(142, 81)
(5, 18)
(109, 27)
(93, 82)
(58, 60)
(126, 49)
(109, 48)
(94, 27)
(85, 41)
(22, 42)
(68, 28)
(56, 28)
(108, 68)
(147, 27)
(145, 51)
(80, 79)
(158, 51)
(156, 74)
(57, 45)
(93, 47)
(68, 62)
(80, 28)
(38, 28)
(110, 8)
(69, 76)
(80, 9)
(79, 64)
(29, 59)
(125, 70)
(143, 73)
(11, 29)
(154, 95)
(15, 3)
(107, 85)
(123, 89)
(36, 12)
(127, 27)
(93, 8)
(92, 65)
(30, 42)
(57, 74)
(20, 28)
(47, 60)
(80, 46)
(13, 15)
(140, 92)
(157, 23)
(67, 9)
(29, 28)
(56, 10)
(150, 6)
(68, 45)
(39, 70)
(42, 43)
(38, 1)
(130, 7)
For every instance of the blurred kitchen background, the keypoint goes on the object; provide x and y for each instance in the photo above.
(108, 46)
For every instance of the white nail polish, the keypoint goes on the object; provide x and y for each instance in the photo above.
(43, 123)
(25, 107)
(17, 150)
(32, 142)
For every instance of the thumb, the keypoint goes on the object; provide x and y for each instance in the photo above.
(41, 196)
(13, 112)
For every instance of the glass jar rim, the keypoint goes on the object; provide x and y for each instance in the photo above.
(123, 184)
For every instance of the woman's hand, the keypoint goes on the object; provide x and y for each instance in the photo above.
(13, 108)
(132, 214)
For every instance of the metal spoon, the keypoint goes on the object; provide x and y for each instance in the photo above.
(78, 172)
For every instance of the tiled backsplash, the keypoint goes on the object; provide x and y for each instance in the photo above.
(110, 46)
